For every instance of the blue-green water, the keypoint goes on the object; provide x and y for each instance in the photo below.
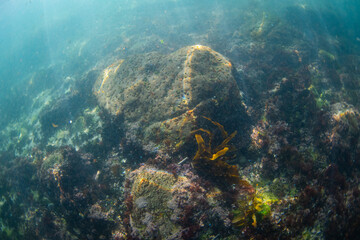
(36, 34)
(66, 158)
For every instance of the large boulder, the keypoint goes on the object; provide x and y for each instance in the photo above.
(164, 205)
(161, 96)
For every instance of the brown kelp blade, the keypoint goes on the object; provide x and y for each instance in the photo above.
(221, 127)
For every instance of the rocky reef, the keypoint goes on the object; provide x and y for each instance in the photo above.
(254, 134)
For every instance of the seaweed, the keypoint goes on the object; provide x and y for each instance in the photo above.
(212, 161)
(253, 206)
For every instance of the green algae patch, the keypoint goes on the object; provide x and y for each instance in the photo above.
(253, 208)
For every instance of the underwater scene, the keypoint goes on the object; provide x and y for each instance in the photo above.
(179, 119)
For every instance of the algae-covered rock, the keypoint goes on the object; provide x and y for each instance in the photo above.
(65, 170)
(162, 95)
(342, 136)
(151, 190)
(165, 205)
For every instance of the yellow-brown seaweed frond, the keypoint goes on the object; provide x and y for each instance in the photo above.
(212, 161)
(221, 127)
(220, 153)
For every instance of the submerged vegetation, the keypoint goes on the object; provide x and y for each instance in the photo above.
(212, 161)
(107, 140)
